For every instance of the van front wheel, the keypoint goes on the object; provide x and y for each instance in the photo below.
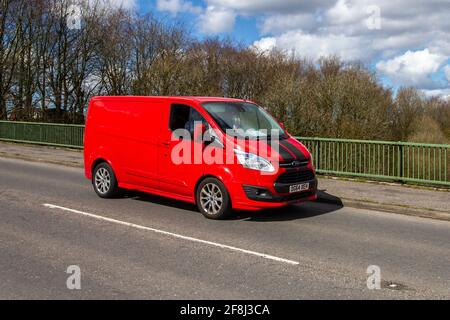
(104, 181)
(213, 199)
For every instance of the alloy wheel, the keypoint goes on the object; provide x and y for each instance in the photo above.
(102, 180)
(211, 198)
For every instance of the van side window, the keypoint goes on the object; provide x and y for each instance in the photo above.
(179, 116)
(184, 117)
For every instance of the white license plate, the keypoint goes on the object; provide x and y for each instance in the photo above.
(299, 187)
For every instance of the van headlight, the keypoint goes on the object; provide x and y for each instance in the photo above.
(254, 162)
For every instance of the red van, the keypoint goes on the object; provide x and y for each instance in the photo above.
(159, 145)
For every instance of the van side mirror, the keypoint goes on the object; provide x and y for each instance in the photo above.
(199, 132)
(282, 126)
(212, 139)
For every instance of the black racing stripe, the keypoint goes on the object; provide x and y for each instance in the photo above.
(298, 154)
(286, 155)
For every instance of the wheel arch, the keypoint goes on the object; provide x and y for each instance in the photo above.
(98, 161)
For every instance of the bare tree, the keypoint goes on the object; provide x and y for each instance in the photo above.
(10, 34)
(408, 107)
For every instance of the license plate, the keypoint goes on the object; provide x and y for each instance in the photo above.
(299, 187)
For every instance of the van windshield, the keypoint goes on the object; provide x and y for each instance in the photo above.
(244, 120)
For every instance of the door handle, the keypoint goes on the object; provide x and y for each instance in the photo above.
(166, 143)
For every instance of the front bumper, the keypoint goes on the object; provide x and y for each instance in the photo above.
(251, 190)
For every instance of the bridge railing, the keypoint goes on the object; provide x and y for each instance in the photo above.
(60, 135)
(392, 161)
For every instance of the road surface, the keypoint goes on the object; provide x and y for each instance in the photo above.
(146, 247)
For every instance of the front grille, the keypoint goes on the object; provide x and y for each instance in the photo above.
(296, 176)
(294, 164)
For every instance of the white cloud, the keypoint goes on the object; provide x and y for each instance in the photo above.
(265, 44)
(125, 4)
(278, 24)
(405, 24)
(443, 93)
(344, 12)
(412, 68)
(217, 20)
(316, 46)
(269, 6)
(177, 6)
(340, 27)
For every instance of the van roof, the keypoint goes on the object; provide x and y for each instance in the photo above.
(186, 98)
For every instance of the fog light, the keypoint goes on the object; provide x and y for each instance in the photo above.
(257, 193)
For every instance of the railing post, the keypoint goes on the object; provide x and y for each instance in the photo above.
(318, 155)
(401, 164)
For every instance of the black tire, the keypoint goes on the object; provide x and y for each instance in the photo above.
(107, 186)
(219, 205)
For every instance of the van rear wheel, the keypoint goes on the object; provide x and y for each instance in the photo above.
(213, 199)
(104, 181)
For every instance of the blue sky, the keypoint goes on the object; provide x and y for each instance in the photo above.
(406, 42)
(244, 31)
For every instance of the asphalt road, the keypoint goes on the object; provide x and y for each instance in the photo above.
(146, 247)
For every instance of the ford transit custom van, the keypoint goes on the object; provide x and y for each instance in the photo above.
(218, 153)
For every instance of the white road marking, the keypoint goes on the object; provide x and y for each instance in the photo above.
(175, 235)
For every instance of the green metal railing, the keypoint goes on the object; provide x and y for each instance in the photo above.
(393, 161)
(60, 135)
